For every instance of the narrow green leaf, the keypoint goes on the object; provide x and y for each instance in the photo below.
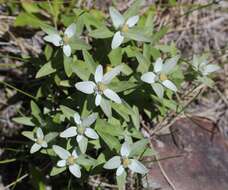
(67, 65)
(89, 60)
(45, 70)
(56, 171)
(24, 121)
(36, 111)
(29, 135)
(101, 33)
(67, 112)
(8, 161)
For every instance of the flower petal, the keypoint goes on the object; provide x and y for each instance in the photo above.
(170, 85)
(74, 154)
(210, 69)
(117, 18)
(125, 149)
(111, 74)
(158, 89)
(44, 144)
(61, 152)
(89, 120)
(75, 170)
(132, 21)
(98, 74)
(148, 77)
(77, 118)
(70, 30)
(86, 87)
(112, 96)
(158, 65)
(91, 133)
(117, 40)
(35, 147)
(106, 107)
(137, 167)
(39, 133)
(113, 163)
(79, 138)
(120, 170)
(67, 50)
(98, 99)
(170, 64)
(54, 39)
(61, 163)
(83, 144)
(70, 132)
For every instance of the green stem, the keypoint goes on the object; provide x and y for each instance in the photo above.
(18, 90)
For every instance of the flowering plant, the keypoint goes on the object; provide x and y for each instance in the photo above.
(94, 95)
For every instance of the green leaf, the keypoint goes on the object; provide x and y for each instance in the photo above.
(105, 127)
(136, 34)
(50, 136)
(49, 29)
(139, 147)
(158, 35)
(8, 161)
(36, 111)
(24, 121)
(45, 70)
(29, 135)
(101, 33)
(121, 86)
(86, 161)
(111, 141)
(136, 117)
(89, 60)
(122, 110)
(67, 65)
(30, 7)
(48, 52)
(27, 19)
(81, 69)
(115, 56)
(67, 112)
(144, 63)
(56, 171)
(78, 44)
(121, 181)
(133, 9)
(100, 160)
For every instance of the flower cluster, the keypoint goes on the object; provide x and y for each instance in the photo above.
(105, 90)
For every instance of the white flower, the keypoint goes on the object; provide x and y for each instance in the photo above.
(121, 25)
(39, 141)
(100, 87)
(200, 64)
(56, 39)
(82, 131)
(159, 79)
(123, 161)
(68, 159)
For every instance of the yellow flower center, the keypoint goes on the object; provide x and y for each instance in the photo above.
(108, 68)
(101, 87)
(126, 162)
(71, 160)
(39, 141)
(163, 77)
(81, 130)
(66, 39)
(125, 28)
